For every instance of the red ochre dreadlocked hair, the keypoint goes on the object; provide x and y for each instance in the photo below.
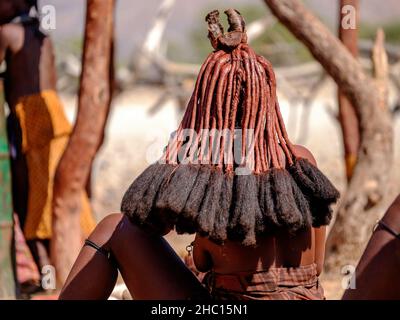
(200, 185)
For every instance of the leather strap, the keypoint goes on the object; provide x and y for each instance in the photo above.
(388, 229)
(103, 251)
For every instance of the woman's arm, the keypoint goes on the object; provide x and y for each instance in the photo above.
(3, 43)
(320, 233)
(201, 256)
(377, 273)
(320, 236)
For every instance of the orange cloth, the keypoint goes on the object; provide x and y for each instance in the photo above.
(351, 160)
(45, 134)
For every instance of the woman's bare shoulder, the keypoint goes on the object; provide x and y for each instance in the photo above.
(303, 152)
(12, 36)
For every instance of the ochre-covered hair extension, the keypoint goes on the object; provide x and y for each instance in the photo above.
(204, 182)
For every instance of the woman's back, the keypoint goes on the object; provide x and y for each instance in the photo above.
(279, 250)
(265, 271)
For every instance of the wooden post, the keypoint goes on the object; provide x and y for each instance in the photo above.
(75, 164)
(7, 280)
(348, 34)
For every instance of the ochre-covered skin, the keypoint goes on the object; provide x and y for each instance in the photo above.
(199, 184)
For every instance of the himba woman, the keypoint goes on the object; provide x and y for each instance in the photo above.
(257, 203)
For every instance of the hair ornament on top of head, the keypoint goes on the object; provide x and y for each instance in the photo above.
(230, 170)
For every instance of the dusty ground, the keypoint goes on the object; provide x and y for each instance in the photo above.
(134, 139)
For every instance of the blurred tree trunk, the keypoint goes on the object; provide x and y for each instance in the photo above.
(112, 89)
(357, 211)
(347, 115)
(75, 165)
